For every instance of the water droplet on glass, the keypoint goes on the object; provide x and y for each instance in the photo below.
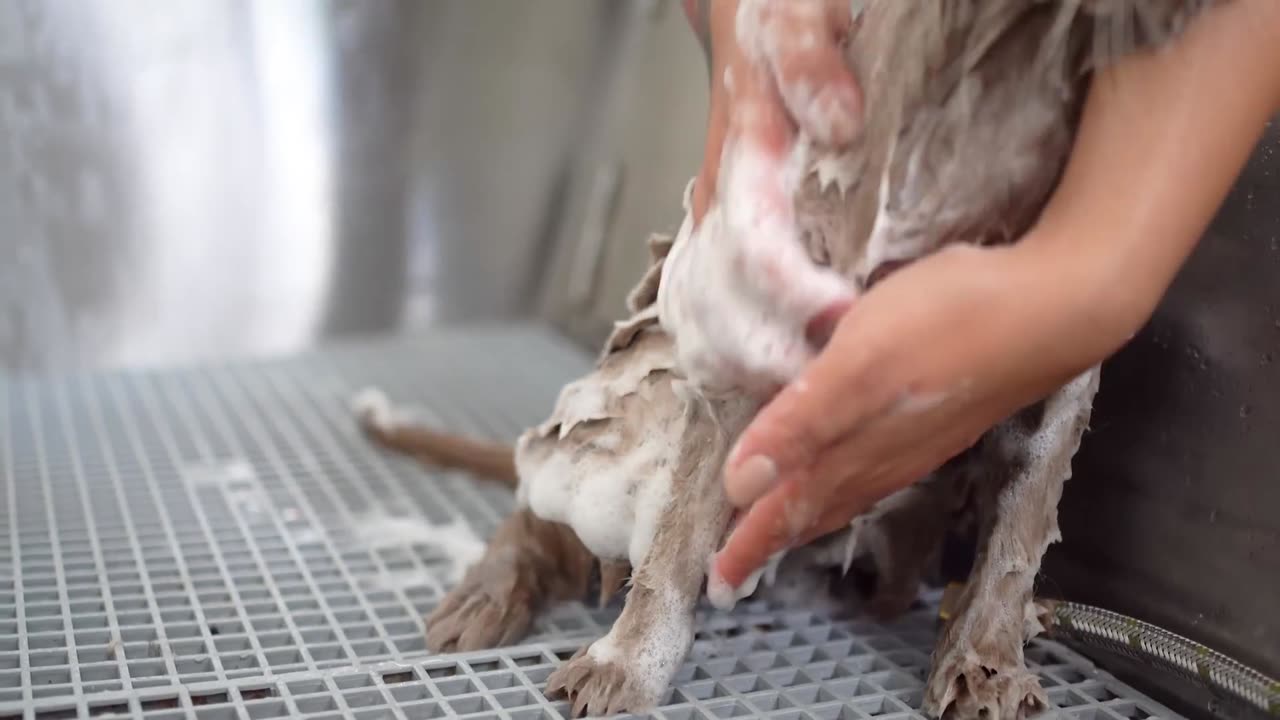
(1246, 410)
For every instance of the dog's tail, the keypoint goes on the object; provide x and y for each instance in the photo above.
(440, 449)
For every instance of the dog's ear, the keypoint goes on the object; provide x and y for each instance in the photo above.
(642, 298)
(645, 293)
(660, 246)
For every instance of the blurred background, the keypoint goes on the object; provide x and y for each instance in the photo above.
(203, 178)
(199, 179)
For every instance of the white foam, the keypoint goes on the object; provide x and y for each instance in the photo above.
(737, 294)
(613, 500)
(238, 481)
(239, 469)
(661, 648)
(404, 580)
(373, 406)
(236, 472)
(837, 170)
(914, 403)
(455, 540)
(612, 486)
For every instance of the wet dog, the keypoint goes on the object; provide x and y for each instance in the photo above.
(972, 108)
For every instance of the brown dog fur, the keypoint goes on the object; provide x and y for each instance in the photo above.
(492, 460)
(527, 563)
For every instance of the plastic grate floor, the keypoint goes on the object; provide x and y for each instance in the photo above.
(221, 542)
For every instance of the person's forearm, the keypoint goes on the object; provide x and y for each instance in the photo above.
(698, 13)
(1162, 139)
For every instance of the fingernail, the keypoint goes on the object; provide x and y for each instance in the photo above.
(721, 593)
(751, 479)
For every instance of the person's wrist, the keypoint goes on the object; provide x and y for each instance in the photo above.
(1084, 295)
(698, 13)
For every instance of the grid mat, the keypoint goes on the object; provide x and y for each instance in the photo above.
(221, 542)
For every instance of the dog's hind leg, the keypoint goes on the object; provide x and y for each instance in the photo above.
(978, 666)
(529, 562)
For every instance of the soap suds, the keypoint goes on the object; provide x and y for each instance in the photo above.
(737, 293)
(238, 481)
(612, 501)
(456, 541)
(913, 403)
(835, 170)
(604, 462)
(770, 34)
(407, 579)
(374, 407)
(234, 472)
(662, 648)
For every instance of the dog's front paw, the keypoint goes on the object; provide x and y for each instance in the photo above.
(964, 686)
(492, 607)
(599, 687)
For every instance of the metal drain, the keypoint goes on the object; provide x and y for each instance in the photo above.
(222, 542)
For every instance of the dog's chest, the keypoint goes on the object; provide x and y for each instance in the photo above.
(605, 462)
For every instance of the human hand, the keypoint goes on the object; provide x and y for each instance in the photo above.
(914, 373)
(775, 70)
(739, 290)
(939, 351)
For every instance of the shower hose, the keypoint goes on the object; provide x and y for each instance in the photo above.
(1158, 647)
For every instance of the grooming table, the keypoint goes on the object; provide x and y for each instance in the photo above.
(222, 542)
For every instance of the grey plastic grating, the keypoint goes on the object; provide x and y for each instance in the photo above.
(221, 542)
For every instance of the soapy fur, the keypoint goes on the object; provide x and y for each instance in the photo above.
(630, 460)
(978, 668)
(971, 109)
(628, 669)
